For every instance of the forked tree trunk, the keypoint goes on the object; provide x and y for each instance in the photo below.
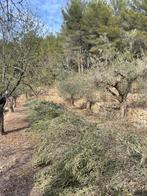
(2, 121)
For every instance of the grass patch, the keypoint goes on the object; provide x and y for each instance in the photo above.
(79, 159)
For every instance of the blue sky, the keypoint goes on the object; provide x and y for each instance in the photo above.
(50, 12)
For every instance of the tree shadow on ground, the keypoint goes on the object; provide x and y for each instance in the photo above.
(17, 129)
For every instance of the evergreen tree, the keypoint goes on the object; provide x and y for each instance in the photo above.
(73, 34)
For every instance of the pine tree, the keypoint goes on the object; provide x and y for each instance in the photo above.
(72, 32)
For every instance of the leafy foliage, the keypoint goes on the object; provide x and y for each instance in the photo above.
(70, 88)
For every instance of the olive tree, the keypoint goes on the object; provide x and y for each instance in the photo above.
(15, 54)
(79, 86)
(70, 88)
(119, 77)
(87, 88)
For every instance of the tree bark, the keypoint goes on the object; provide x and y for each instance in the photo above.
(2, 131)
(82, 68)
(89, 105)
(27, 96)
(11, 104)
(72, 101)
(123, 109)
(15, 102)
(12, 108)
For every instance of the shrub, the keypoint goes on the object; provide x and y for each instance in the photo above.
(70, 88)
(79, 86)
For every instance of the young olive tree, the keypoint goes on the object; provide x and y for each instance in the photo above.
(70, 88)
(119, 77)
(79, 86)
(88, 89)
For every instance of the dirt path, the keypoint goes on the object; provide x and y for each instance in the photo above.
(16, 149)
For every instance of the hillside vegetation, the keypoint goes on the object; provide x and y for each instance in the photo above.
(95, 142)
(79, 158)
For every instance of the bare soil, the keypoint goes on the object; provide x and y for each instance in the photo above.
(16, 149)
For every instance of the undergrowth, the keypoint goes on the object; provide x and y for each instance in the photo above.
(79, 159)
